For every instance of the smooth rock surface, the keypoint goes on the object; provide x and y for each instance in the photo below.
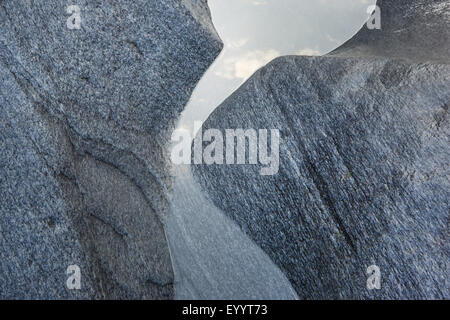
(364, 167)
(85, 121)
(414, 30)
(211, 256)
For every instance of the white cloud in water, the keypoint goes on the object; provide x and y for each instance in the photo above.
(236, 44)
(244, 65)
(258, 2)
(308, 52)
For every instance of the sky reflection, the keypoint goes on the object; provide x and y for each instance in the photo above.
(255, 32)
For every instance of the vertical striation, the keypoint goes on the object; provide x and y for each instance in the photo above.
(85, 121)
(364, 161)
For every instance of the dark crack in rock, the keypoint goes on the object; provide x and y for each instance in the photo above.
(85, 121)
(364, 162)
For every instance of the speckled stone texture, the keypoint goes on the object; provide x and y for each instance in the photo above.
(364, 161)
(85, 121)
(414, 30)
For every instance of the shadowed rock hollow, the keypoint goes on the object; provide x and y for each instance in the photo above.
(364, 160)
(85, 122)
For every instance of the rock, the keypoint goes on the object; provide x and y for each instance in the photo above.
(363, 177)
(85, 121)
(416, 30)
(212, 258)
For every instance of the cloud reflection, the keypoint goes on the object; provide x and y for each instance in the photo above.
(255, 32)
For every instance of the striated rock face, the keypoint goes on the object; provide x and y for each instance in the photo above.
(364, 162)
(417, 30)
(85, 121)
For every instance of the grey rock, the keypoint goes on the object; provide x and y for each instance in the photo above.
(85, 122)
(416, 30)
(211, 257)
(364, 165)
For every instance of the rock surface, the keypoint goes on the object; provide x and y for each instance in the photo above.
(85, 121)
(417, 30)
(364, 162)
(212, 258)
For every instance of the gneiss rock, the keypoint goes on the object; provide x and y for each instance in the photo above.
(417, 30)
(85, 121)
(364, 166)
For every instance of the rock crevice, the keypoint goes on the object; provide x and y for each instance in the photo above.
(363, 176)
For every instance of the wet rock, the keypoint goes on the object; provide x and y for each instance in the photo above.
(85, 121)
(416, 30)
(364, 163)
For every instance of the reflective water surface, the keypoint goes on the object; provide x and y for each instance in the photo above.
(256, 31)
